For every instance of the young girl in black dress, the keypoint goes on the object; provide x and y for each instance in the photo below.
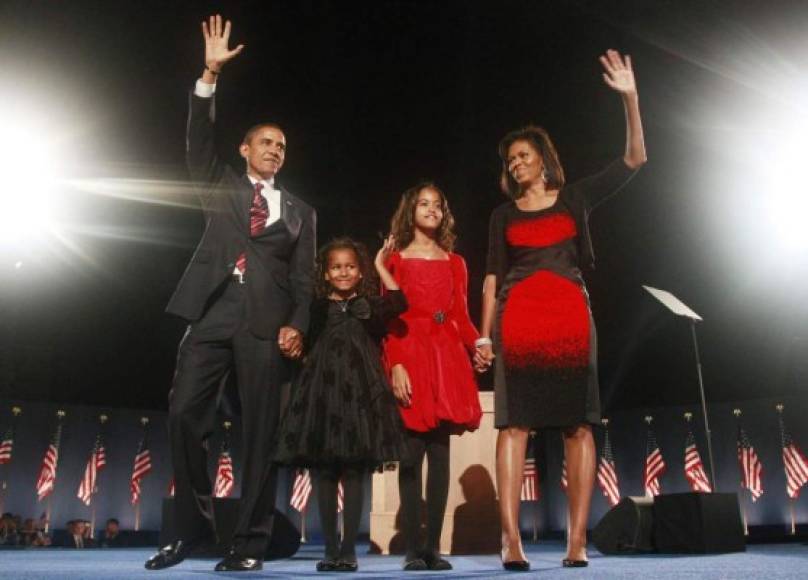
(342, 418)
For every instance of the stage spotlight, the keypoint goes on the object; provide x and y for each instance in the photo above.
(28, 188)
(787, 190)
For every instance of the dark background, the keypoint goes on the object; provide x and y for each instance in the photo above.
(375, 96)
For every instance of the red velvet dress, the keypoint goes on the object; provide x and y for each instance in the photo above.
(434, 339)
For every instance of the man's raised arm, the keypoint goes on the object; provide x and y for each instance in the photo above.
(200, 147)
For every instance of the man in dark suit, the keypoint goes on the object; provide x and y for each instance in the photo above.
(246, 295)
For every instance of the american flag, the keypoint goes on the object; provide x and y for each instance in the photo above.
(564, 483)
(340, 497)
(47, 472)
(607, 474)
(141, 468)
(794, 462)
(7, 446)
(654, 465)
(751, 468)
(694, 468)
(301, 490)
(224, 473)
(530, 481)
(95, 464)
(171, 488)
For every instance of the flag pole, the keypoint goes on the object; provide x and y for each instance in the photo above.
(143, 421)
(47, 514)
(743, 514)
(737, 413)
(532, 443)
(102, 419)
(60, 414)
(15, 411)
(648, 420)
(793, 518)
(303, 526)
(780, 407)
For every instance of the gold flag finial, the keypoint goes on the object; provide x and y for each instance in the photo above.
(688, 416)
(604, 422)
(227, 425)
(61, 414)
(103, 418)
(736, 412)
(649, 419)
(144, 421)
(779, 407)
(16, 411)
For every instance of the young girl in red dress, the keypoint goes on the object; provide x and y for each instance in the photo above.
(427, 352)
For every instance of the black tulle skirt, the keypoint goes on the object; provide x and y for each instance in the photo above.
(341, 409)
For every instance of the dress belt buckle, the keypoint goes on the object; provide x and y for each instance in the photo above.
(439, 316)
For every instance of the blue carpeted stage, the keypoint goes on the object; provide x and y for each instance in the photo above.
(770, 561)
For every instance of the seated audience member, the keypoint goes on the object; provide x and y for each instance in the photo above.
(33, 534)
(111, 535)
(78, 535)
(9, 530)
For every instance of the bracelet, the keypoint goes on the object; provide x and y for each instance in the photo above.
(483, 341)
(211, 71)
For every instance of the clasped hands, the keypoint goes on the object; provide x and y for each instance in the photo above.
(483, 357)
(290, 342)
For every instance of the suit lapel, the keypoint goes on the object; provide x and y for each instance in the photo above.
(243, 201)
(290, 213)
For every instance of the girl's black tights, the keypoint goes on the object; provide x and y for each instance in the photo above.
(352, 483)
(435, 445)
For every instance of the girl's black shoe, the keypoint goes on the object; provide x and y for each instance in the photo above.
(327, 565)
(346, 566)
(433, 561)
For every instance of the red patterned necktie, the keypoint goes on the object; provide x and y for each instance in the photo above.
(259, 214)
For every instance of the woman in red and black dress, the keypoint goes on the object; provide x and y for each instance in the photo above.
(536, 317)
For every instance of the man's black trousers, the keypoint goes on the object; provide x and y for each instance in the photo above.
(218, 344)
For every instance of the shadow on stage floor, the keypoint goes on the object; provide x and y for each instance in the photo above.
(770, 561)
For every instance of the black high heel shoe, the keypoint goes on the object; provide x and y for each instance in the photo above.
(568, 563)
(517, 566)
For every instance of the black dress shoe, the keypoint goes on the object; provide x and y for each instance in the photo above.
(171, 555)
(517, 566)
(234, 562)
(433, 561)
(567, 563)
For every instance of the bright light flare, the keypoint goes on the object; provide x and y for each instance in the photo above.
(28, 185)
(787, 190)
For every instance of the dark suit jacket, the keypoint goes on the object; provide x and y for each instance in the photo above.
(280, 261)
